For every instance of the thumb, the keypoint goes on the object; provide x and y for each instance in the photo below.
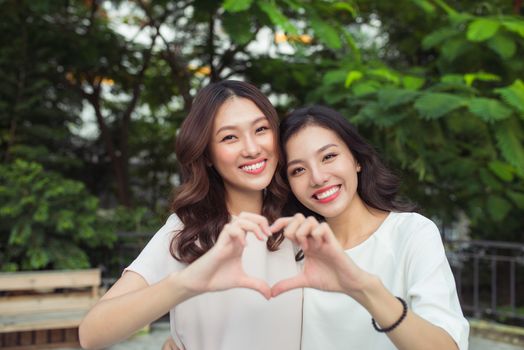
(256, 284)
(279, 224)
(280, 287)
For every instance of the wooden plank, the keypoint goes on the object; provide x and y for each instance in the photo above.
(60, 345)
(11, 339)
(26, 338)
(41, 336)
(71, 335)
(56, 336)
(27, 280)
(30, 304)
(66, 319)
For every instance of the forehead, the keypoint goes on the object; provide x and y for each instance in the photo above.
(309, 140)
(235, 111)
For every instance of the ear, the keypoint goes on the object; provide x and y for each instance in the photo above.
(359, 168)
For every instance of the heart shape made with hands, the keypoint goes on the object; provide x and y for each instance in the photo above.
(322, 254)
(238, 258)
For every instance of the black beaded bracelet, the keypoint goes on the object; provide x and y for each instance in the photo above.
(394, 325)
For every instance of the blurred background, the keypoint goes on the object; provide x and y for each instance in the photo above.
(92, 93)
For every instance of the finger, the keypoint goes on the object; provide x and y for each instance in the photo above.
(236, 234)
(280, 223)
(320, 233)
(258, 219)
(283, 286)
(250, 226)
(303, 232)
(256, 284)
(291, 228)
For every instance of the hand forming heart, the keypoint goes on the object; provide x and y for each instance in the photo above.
(326, 266)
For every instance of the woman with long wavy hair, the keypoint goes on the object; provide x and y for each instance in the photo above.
(216, 251)
(377, 272)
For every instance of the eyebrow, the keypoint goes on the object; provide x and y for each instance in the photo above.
(320, 150)
(231, 127)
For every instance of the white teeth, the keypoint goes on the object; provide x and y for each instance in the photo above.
(328, 193)
(253, 167)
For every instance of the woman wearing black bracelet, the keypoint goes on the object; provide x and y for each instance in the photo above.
(359, 241)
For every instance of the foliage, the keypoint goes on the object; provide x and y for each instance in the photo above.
(46, 221)
(453, 125)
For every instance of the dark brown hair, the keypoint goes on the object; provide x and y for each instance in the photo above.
(200, 200)
(377, 185)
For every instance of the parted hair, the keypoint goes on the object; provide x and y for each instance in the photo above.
(377, 186)
(200, 199)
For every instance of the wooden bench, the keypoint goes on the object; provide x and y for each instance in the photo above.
(42, 309)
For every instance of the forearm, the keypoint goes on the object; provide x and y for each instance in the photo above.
(413, 332)
(114, 319)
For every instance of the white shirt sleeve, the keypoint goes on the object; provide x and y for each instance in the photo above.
(431, 287)
(155, 262)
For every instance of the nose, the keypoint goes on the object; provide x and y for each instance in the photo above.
(251, 147)
(317, 177)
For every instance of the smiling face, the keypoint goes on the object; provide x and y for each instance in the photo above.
(321, 171)
(242, 148)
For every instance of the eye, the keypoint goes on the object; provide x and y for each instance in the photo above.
(296, 171)
(329, 156)
(228, 138)
(261, 129)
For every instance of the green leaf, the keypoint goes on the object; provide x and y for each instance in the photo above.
(346, 7)
(516, 26)
(471, 77)
(238, 26)
(438, 36)
(384, 73)
(490, 181)
(20, 234)
(498, 207)
(513, 95)
(517, 198)
(503, 170)
(452, 79)
(374, 113)
(326, 33)
(488, 109)
(392, 97)
(237, 5)
(434, 105)
(509, 140)
(482, 29)
(425, 5)
(365, 87)
(352, 76)
(277, 17)
(453, 48)
(334, 77)
(503, 45)
(412, 82)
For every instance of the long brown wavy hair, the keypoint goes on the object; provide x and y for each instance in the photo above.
(200, 200)
(377, 186)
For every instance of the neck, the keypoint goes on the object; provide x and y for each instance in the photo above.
(356, 223)
(239, 201)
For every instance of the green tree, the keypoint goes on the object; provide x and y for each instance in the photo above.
(47, 221)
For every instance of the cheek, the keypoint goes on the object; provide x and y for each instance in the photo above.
(222, 155)
(268, 142)
(297, 187)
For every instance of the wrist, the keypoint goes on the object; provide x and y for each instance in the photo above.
(366, 293)
(178, 283)
(384, 307)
